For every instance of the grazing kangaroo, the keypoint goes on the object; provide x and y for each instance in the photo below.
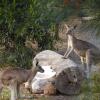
(87, 52)
(14, 77)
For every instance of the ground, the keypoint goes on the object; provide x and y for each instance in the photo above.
(86, 94)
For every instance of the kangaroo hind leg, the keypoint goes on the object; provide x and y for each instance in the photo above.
(88, 62)
(1, 86)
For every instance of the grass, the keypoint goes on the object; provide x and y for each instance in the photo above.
(92, 92)
(87, 93)
(5, 95)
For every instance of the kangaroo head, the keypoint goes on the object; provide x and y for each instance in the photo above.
(38, 67)
(70, 29)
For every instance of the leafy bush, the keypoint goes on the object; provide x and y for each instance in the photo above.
(37, 20)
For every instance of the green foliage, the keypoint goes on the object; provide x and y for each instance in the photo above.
(20, 20)
(28, 19)
(91, 8)
(34, 19)
(5, 95)
(93, 92)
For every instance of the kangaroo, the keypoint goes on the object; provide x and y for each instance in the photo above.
(87, 52)
(12, 78)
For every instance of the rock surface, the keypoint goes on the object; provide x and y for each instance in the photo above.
(50, 89)
(64, 68)
(69, 81)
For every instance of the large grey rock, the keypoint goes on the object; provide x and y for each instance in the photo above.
(69, 81)
(54, 60)
(42, 79)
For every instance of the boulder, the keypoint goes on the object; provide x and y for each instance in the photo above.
(42, 79)
(69, 81)
(67, 78)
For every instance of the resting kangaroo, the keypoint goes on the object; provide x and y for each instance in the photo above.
(14, 77)
(87, 52)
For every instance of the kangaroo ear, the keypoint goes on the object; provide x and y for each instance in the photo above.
(37, 61)
(69, 26)
(75, 26)
(68, 70)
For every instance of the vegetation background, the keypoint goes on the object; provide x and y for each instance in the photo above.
(38, 20)
(22, 20)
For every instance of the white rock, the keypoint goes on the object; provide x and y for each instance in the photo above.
(49, 59)
(41, 79)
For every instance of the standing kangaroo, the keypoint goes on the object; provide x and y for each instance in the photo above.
(14, 77)
(87, 52)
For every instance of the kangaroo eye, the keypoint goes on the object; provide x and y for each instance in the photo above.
(74, 76)
(39, 67)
